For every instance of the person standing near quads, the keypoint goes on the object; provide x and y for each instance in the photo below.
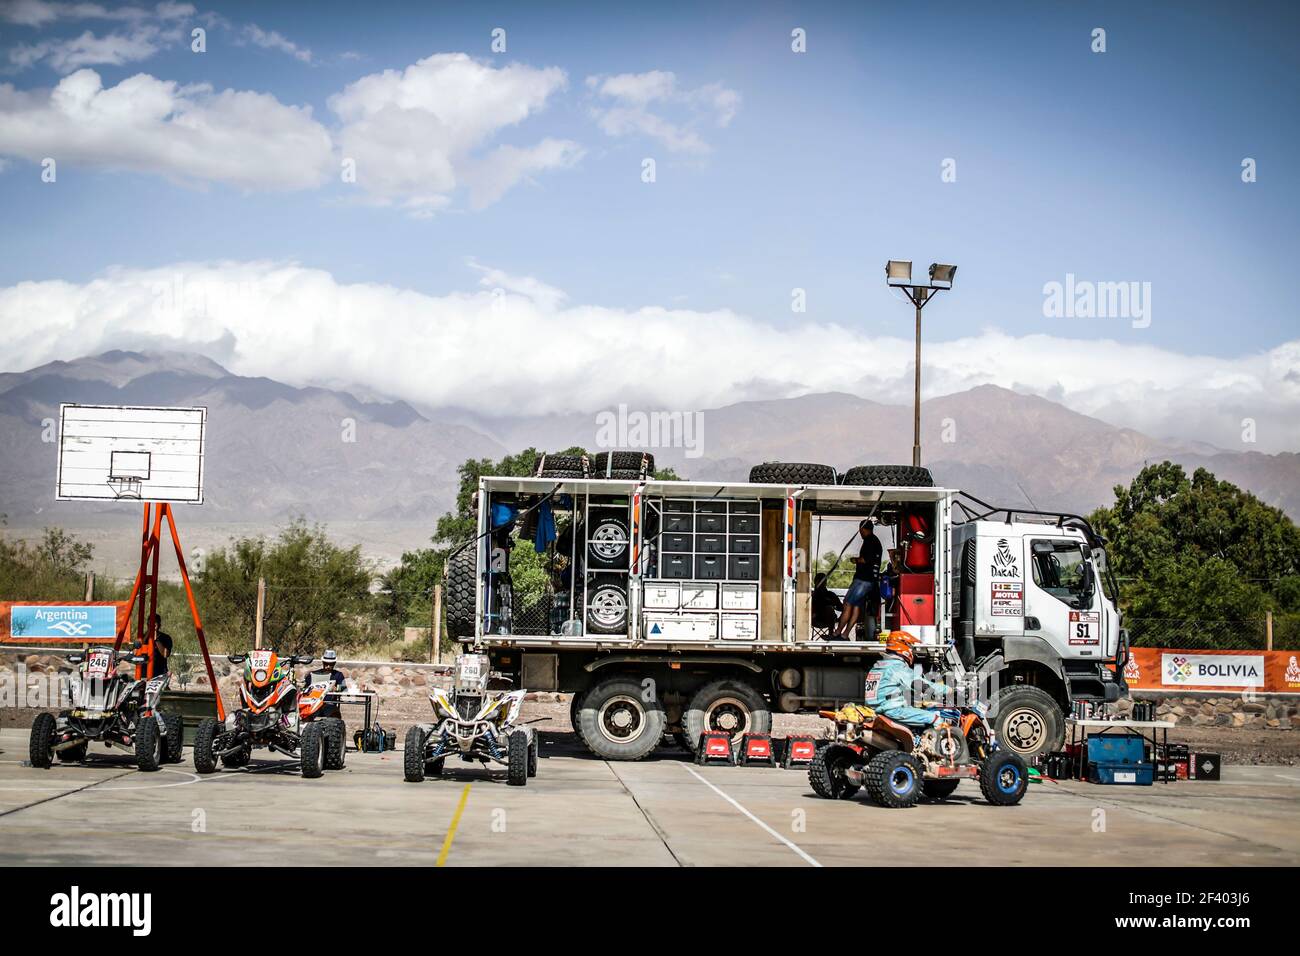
(335, 677)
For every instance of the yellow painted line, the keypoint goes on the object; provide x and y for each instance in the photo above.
(455, 822)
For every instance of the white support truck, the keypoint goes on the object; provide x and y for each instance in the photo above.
(674, 607)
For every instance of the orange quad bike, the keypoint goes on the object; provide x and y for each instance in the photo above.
(314, 705)
(898, 765)
(268, 716)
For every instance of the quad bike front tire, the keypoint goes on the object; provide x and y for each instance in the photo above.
(518, 751)
(73, 754)
(336, 743)
(534, 750)
(413, 765)
(311, 754)
(894, 779)
(41, 750)
(730, 706)
(618, 723)
(1004, 779)
(149, 748)
(939, 789)
(175, 740)
(826, 772)
(205, 754)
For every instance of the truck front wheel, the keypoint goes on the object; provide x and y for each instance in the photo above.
(1029, 722)
(617, 722)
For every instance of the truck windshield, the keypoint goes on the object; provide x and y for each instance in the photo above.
(1060, 569)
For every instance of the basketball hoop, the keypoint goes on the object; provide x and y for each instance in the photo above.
(126, 486)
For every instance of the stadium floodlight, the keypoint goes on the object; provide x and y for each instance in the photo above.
(898, 272)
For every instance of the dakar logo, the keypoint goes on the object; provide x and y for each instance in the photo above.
(1292, 671)
(1004, 562)
(1131, 671)
(1180, 669)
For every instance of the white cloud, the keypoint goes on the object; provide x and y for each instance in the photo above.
(418, 135)
(145, 124)
(625, 101)
(114, 49)
(39, 13)
(272, 40)
(302, 326)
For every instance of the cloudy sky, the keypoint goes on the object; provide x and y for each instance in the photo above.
(415, 198)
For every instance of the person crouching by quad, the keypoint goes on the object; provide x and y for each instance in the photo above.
(337, 680)
(863, 599)
(890, 682)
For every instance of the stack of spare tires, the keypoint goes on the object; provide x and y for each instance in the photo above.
(807, 473)
(626, 465)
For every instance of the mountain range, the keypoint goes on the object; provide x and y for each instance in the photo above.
(276, 450)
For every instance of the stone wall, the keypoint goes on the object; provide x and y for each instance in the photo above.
(1205, 709)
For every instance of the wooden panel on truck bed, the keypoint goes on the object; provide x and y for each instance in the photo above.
(770, 584)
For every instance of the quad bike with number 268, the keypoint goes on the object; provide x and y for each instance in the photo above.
(898, 766)
(111, 707)
(271, 715)
(474, 724)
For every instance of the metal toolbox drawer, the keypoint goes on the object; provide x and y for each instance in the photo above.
(712, 507)
(740, 597)
(711, 543)
(662, 597)
(676, 566)
(700, 597)
(679, 522)
(680, 627)
(744, 524)
(679, 505)
(740, 627)
(711, 524)
(743, 544)
(742, 567)
(676, 541)
(710, 567)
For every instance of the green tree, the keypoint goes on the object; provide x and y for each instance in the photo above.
(318, 594)
(1199, 549)
(52, 568)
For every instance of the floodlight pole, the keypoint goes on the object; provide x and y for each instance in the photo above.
(918, 295)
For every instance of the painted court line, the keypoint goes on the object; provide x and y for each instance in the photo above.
(455, 822)
(797, 849)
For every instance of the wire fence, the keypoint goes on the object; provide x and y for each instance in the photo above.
(1247, 634)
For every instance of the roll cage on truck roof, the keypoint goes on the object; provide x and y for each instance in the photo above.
(701, 590)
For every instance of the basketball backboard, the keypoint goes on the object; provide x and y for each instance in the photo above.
(131, 452)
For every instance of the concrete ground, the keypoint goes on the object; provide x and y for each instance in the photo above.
(579, 810)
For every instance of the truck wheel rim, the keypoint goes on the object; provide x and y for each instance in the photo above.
(608, 541)
(729, 716)
(609, 607)
(1024, 730)
(621, 719)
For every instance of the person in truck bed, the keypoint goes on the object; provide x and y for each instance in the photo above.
(863, 599)
(826, 604)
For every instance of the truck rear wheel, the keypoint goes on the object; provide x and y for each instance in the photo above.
(791, 473)
(618, 723)
(730, 706)
(1029, 722)
(891, 476)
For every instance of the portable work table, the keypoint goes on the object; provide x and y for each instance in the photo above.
(365, 698)
(1154, 732)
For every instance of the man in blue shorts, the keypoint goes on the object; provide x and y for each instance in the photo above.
(863, 599)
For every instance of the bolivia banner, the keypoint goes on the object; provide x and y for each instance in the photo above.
(1163, 668)
(65, 622)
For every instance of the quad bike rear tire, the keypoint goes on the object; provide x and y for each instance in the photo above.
(41, 749)
(413, 765)
(890, 476)
(73, 754)
(1004, 779)
(240, 758)
(518, 752)
(461, 573)
(175, 738)
(826, 772)
(311, 755)
(618, 723)
(336, 743)
(205, 757)
(894, 779)
(791, 473)
(731, 706)
(939, 789)
(149, 748)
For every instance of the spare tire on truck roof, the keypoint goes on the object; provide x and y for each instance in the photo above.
(562, 466)
(621, 461)
(891, 476)
(791, 473)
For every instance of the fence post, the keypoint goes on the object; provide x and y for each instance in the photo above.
(261, 613)
(1268, 630)
(90, 585)
(435, 631)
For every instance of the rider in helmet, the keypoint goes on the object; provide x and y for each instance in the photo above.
(890, 682)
